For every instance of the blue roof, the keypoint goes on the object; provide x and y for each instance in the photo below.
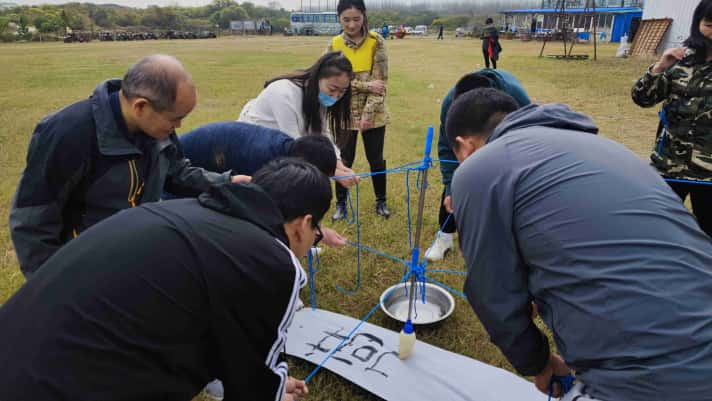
(604, 10)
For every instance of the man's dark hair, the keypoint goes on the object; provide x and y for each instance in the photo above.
(477, 113)
(489, 21)
(697, 40)
(329, 65)
(471, 81)
(296, 187)
(317, 150)
(156, 79)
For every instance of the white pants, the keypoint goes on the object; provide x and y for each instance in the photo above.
(577, 393)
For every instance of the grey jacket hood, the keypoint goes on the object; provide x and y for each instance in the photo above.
(553, 115)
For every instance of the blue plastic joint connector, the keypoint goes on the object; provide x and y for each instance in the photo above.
(408, 327)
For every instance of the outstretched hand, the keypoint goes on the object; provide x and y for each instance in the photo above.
(669, 57)
(447, 203)
(332, 238)
(349, 179)
(295, 390)
(555, 367)
(240, 179)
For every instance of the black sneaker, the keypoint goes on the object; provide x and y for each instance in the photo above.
(340, 213)
(382, 209)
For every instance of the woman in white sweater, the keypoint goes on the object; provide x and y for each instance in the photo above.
(314, 101)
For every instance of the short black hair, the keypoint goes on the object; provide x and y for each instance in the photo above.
(697, 40)
(471, 81)
(296, 187)
(477, 112)
(489, 21)
(317, 150)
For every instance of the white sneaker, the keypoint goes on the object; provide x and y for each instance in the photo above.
(443, 244)
(214, 390)
(316, 251)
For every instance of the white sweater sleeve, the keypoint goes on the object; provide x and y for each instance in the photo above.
(285, 101)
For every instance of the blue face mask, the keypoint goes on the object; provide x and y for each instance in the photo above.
(326, 100)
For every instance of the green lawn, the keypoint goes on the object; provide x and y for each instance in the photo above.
(37, 79)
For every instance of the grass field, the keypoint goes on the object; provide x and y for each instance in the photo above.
(37, 79)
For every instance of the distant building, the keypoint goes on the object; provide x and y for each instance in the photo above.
(314, 23)
(615, 18)
(681, 13)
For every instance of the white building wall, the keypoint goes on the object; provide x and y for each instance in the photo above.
(681, 13)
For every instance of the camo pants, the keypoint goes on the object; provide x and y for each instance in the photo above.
(701, 199)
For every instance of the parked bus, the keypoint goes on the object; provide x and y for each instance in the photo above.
(317, 23)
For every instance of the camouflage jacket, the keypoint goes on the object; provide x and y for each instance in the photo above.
(365, 104)
(684, 148)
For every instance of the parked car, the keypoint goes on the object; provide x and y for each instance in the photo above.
(462, 32)
(420, 30)
(409, 30)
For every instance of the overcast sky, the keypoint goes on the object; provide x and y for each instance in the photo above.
(145, 3)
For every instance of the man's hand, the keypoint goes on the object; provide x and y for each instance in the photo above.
(295, 390)
(668, 59)
(241, 179)
(377, 87)
(332, 238)
(555, 367)
(342, 170)
(447, 202)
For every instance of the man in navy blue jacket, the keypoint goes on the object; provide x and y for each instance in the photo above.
(244, 148)
(498, 79)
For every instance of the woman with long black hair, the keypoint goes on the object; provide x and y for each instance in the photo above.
(313, 101)
(682, 79)
(367, 53)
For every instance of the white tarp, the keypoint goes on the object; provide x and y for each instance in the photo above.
(370, 361)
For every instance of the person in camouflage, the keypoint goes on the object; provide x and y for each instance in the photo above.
(367, 53)
(682, 79)
(490, 43)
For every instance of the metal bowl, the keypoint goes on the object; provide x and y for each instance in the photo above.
(438, 306)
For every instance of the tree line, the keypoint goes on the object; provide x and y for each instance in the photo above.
(53, 21)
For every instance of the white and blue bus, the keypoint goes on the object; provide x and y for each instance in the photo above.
(316, 23)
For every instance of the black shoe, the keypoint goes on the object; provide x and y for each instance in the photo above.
(340, 213)
(382, 209)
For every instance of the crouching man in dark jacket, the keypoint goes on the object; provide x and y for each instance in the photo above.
(244, 148)
(115, 150)
(620, 271)
(155, 301)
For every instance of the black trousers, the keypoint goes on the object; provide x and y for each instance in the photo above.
(440, 36)
(451, 226)
(701, 199)
(487, 59)
(373, 140)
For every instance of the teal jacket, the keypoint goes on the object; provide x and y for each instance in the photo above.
(502, 80)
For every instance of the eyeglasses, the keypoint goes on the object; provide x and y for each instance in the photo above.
(319, 235)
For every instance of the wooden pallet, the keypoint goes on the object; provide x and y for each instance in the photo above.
(649, 36)
(569, 57)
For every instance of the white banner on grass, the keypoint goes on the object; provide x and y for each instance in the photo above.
(370, 360)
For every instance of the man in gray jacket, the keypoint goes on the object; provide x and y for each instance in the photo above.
(554, 215)
(115, 150)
